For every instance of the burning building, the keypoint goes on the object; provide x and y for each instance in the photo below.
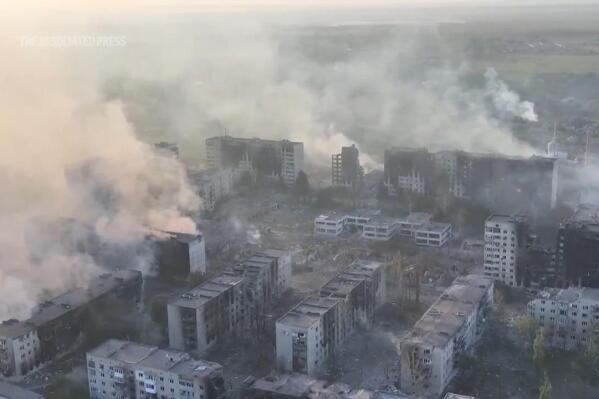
(345, 167)
(282, 159)
(179, 254)
(56, 323)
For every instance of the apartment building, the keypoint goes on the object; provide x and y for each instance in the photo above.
(179, 254)
(275, 158)
(506, 239)
(578, 247)
(311, 331)
(213, 185)
(128, 370)
(10, 391)
(345, 167)
(231, 303)
(569, 317)
(450, 327)
(492, 179)
(55, 324)
(214, 309)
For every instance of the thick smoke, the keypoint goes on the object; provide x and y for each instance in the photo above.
(71, 168)
(308, 84)
(506, 101)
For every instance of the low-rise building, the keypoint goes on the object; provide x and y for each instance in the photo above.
(433, 234)
(569, 317)
(329, 225)
(128, 370)
(456, 396)
(55, 324)
(409, 224)
(380, 228)
(10, 391)
(429, 353)
(311, 331)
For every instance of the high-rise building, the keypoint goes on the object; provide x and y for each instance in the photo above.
(312, 330)
(452, 324)
(578, 247)
(56, 323)
(569, 317)
(234, 302)
(128, 370)
(179, 254)
(274, 158)
(212, 185)
(506, 239)
(526, 184)
(345, 167)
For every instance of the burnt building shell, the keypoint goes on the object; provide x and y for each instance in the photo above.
(577, 248)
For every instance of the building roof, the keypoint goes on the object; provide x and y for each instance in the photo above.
(570, 295)
(207, 290)
(274, 253)
(345, 282)
(498, 218)
(67, 302)
(151, 357)
(456, 396)
(448, 313)
(419, 217)
(332, 217)
(382, 221)
(10, 391)
(435, 227)
(252, 140)
(308, 312)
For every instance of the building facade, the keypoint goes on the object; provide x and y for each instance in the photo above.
(227, 305)
(569, 317)
(578, 247)
(448, 329)
(55, 324)
(526, 184)
(345, 167)
(312, 330)
(180, 254)
(213, 185)
(507, 237)
(128, 370)
(275, 158)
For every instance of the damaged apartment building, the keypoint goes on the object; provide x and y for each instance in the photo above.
(55, 324)
(128, 370)
(345, 167)
(179, 254)
(526, 184)
(212, 185)
(312, 330)
(282, 159)
(230, 304)
(448, 329)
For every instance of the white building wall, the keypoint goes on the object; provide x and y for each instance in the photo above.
(501, 253)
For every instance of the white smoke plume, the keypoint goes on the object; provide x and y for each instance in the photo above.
(70, 159)
(506, 100)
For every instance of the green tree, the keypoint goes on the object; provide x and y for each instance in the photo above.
(539, 354)
(545, 389)
(301, 189)
(527, 328)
